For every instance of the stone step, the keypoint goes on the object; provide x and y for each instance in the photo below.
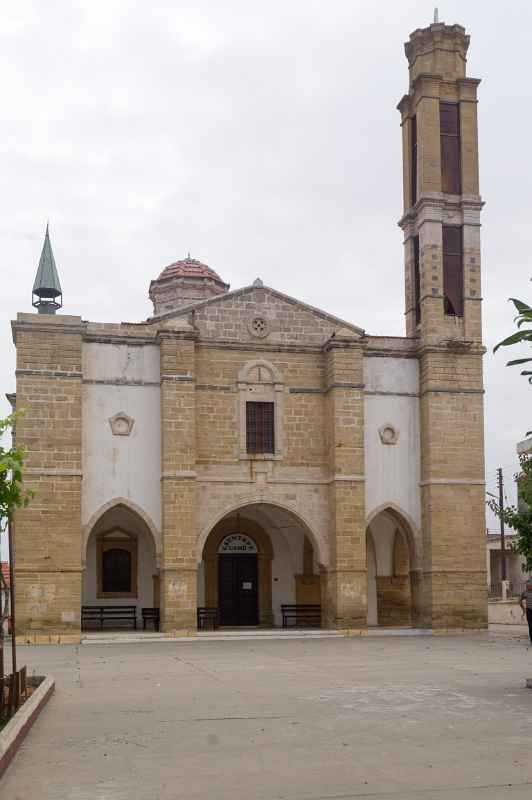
(128, 637)
(242, 634)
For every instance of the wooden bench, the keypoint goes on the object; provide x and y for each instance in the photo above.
(207, 618)
(306, 615)
(150, 615)
(101, 614)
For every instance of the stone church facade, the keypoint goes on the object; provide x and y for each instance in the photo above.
(243, 450)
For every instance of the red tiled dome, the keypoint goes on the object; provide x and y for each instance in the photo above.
(184, 283)
(189, 268)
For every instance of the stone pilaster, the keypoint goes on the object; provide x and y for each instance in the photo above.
(178, 481)
(452, 489)
(344, 590)
(48, 532)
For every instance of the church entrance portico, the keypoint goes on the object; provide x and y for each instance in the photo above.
(255, 560)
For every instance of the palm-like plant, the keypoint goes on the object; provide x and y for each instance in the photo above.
(523, 334)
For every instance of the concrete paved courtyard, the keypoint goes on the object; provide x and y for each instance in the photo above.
(385, 717)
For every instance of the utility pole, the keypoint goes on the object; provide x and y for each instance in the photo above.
(500, 484)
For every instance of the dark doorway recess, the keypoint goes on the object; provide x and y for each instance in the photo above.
(238, 589)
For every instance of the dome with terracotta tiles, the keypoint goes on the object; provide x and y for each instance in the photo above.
(183, 283)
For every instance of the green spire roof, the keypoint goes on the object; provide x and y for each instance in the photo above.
(47, 280)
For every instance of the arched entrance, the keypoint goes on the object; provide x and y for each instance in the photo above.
(390, 570)
(120, 561)
(254, 560)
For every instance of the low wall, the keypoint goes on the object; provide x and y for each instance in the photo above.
(14, 733)
(505, 612)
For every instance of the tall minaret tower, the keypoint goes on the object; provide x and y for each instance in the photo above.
(440, 187)
(441, 225)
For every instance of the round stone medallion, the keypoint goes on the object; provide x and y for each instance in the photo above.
(259, 327)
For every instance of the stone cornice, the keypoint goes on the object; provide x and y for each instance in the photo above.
(177, 379)
(48, 373)
(131, 340)
(119, 382)
(220, 344)
(452, 482)
(183, 335)
(432, 207)
(452, 346)
(344, 344)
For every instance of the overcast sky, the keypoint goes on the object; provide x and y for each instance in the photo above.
(264, 139)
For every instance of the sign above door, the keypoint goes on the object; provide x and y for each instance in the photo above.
(237, 543)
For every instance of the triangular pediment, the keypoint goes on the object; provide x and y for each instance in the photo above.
(262, 315)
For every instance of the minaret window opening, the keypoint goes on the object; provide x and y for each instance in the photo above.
(453, 270)
(450, 148)
(413, 160)
(417, 281)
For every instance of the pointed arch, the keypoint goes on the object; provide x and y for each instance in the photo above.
(123, 502)
(406, 525)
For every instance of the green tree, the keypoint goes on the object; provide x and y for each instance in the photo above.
(520, 517)
(12, 493)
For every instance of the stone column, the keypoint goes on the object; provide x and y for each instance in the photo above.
(344, 592)
(178, 481)
(48, 531)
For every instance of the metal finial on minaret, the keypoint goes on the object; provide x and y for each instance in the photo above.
(47, 296)
(436, 16)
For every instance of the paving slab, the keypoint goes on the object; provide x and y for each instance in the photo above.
(298, 719)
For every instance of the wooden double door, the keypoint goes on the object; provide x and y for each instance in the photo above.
(238, 595)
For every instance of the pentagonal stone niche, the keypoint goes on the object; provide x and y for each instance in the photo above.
(121, 424)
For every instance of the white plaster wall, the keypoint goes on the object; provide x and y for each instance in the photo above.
(393, 471)
(121, 466)
(146, 569)
(383, 530)
(126, 362)
(287, 562)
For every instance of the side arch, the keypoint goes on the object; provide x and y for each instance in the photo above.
(317, 539)
(407, 526)
(131, 506)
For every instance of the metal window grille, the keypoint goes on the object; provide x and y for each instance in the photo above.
(260, 428)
